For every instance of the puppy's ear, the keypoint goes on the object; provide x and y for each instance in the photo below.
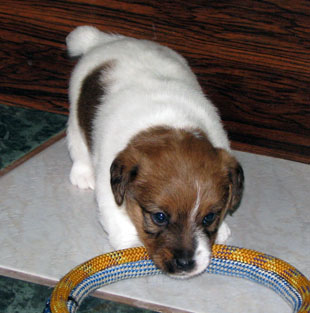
(122, 174)
(236, 180)
(236, 177)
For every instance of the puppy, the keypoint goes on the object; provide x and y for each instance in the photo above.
(144, 136)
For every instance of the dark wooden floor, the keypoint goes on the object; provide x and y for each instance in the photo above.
(252, 58)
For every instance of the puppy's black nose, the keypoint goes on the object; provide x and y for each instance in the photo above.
(185, 264)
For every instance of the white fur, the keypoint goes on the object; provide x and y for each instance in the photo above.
(202, 255)
(150, 85)
(223, 234)
(197, 205)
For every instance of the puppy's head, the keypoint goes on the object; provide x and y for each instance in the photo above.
(177, 189)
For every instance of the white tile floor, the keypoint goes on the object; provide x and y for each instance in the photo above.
(48, 226)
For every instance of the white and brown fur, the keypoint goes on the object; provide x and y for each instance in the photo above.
(144, 136)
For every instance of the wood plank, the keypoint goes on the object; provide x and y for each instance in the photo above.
(251, 57)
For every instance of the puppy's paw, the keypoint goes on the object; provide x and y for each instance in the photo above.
(82, 176)
(223, 234)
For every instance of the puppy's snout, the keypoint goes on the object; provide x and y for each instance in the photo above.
(185, 263)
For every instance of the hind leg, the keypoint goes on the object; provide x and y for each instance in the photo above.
(82, 172)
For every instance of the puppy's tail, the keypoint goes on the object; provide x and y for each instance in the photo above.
(84, 38)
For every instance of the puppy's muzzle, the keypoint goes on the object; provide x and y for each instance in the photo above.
(182, 263)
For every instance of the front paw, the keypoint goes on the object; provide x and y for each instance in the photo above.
(82, 176)
(223, 234)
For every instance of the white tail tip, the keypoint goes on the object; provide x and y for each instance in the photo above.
(82, 39)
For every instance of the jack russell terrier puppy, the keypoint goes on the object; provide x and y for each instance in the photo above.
(143, 135)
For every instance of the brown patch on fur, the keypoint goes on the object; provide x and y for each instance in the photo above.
(164, 170)
(92, 91)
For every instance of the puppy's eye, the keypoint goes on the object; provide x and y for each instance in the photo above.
(160, 218)
(209, 219)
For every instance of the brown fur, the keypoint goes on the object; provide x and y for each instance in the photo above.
(160, 171)
(92, 90)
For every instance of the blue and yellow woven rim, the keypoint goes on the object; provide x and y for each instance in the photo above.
(108, 268)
